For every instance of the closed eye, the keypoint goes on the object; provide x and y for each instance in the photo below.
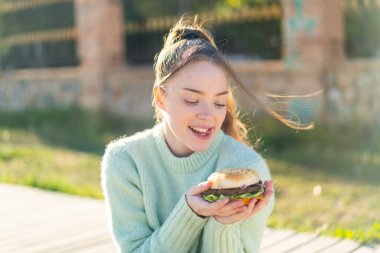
(190, 102)
(220, 105)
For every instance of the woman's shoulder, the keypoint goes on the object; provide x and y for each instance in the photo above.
(238, 155)
(235, 148)
(125, 144)
(119, 159)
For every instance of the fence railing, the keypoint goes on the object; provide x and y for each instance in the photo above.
(37, 33)
(269, 12)
(16, 5)
(34, 32)
(250, 33)
(362, 26)
(40, 36)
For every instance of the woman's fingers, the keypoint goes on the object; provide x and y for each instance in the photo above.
(231, 208)
(214, 206)
(267, 195)
(238, 208)
(268, 187)
(201, 206)
(253, 207)
(195, 201)
(252, 204)
(256, 206)
(242, 214)
(198, 189)
(222, 207)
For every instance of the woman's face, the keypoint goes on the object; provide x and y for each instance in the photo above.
(194, 107)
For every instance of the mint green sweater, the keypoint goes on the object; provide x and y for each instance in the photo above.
(144, 186)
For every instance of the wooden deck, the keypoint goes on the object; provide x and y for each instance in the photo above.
(33, 220)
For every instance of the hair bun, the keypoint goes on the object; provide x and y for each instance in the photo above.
(188, 28)
(189, 34)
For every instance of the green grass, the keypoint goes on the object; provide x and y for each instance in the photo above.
(50, 168)
(341, 162)
(58, 150)
(326, 180)
(339, 205)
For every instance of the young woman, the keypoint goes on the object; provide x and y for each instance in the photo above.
(152, 180)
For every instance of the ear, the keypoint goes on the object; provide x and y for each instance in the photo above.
(159, 97)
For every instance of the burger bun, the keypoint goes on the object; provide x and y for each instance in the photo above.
(233, 178)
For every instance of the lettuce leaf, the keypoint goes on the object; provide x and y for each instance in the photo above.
(213, 198)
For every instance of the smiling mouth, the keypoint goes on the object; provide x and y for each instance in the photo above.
(203, 132)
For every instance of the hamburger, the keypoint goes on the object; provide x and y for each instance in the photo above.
(234, 184)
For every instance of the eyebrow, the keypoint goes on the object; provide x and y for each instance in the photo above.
(201, 92)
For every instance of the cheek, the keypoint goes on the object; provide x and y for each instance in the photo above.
(222, 114)
(180, 112)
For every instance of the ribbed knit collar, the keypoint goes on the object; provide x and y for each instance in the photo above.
(188, 163)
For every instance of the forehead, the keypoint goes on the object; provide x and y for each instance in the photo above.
(201, 75)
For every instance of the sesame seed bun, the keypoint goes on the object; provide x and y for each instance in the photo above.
(233, 178)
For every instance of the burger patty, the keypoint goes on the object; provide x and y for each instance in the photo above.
(234, 191)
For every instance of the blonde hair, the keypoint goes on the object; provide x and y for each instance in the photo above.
(189, 41)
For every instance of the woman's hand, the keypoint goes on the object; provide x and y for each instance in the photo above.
(248, 211)
(219, 208)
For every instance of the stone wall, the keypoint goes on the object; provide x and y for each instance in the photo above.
(353, 92)
(40, 89)
(127, 91)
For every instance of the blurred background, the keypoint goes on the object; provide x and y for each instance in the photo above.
(76, 74)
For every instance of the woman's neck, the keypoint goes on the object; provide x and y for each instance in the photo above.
(177, 148)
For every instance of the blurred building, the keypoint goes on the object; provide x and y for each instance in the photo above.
(98, 54)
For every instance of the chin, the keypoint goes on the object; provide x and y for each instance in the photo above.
(200, 148)
(200, 145)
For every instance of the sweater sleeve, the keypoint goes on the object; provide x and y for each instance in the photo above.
(244, 236)
(129, 221)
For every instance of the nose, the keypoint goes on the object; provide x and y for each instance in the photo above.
(205, 112)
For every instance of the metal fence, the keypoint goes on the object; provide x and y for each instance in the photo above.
(245, 32)
(42, 33)
(362, 28)
(37, 34)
